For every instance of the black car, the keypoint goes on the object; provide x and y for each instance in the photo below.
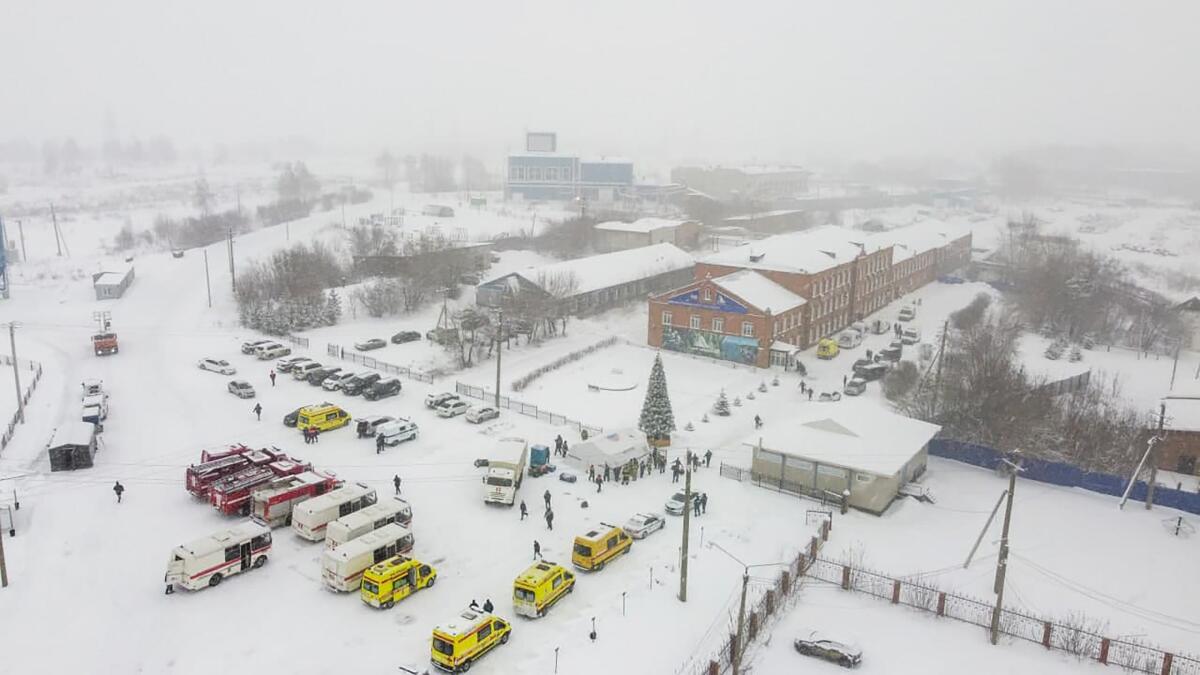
(382, 389)
(289, 420)
(840, 653)
(405, 336)
(871, 371)
(318, 376)
(359, 384)
(860, 363)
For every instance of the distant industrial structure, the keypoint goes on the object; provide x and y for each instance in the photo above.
(746, 183)
(541, 172)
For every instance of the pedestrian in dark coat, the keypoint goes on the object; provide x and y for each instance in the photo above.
(396, 482)
(272, 378)
(258, 411)
(591, 472)
(546, 497)
(696, 507)
(119, 489)
(843, 380)
(558, 446)
(606, 471)
(525, 512)
(537, 549)
(707, 458)
(379, 444)
(810, 394)
(565, 449)
(704, 503)
(474, 605)
(757, 422)
(549, 519)
(599, 483)
(488, 606)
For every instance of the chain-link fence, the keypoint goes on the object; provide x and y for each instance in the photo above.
(340, 352)
(527, 409)
(1075, 635)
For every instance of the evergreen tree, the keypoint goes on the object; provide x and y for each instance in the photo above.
(721, 407)
(333, 308)
(658, 420)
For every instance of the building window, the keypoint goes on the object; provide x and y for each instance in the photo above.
(695, 322)
(718, 325)
(747, 329)
(666, 319)
(708, 295)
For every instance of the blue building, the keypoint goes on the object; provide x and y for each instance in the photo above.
(542, 173)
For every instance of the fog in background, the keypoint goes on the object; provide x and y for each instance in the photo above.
(717, 80)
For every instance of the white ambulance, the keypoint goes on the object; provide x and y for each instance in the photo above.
(355, 525)
(310, 518)
(342, 568)
(208, 560)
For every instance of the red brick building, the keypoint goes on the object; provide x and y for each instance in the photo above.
(1180, 448)
(842, 275)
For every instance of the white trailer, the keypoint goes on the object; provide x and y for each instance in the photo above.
(355, 525)
(310, 518)
(342, 568)
(506, 467)
(208, 560)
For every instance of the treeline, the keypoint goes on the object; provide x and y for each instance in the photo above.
(291, 291)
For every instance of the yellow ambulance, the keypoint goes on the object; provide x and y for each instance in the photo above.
(324, 417)
(594, 549)
(462, 640)
(827, 348)
(386, 583)
(539, 587)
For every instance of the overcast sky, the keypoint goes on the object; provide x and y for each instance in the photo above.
(719, 80)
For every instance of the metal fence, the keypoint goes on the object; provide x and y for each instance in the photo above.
(11, 427)
(340, 352)
(298, 341)
(527, 409)
(826, 497)
(1075, 636)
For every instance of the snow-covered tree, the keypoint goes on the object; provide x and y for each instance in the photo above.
(333, 309)
(721, 407)
(658, 420)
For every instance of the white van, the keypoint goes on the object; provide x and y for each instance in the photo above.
(342, 568)
(848, 339)
(910, 335)
(908, 313)
(355, 525)
(310, 518)
(206, 561)
(395, 433)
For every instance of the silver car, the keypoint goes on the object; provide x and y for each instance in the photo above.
(241, 389)
(840, 653)
(643, 524)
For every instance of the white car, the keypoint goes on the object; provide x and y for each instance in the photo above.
(335, 382)
(674, 505)
(217, 366)
(301, 371)
(273, 352)
(452, 408)
(397, 432)
(284, 365)
(435, 400)
(241, 389)
(642, 524)
(249, 347)
(482, 413)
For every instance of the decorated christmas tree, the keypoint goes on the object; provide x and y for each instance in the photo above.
(658, 420)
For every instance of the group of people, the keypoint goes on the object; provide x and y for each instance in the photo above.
(693, 460)
(549, 515)
(487, 605)
(700, 504)
(560, 446)
(311, 435)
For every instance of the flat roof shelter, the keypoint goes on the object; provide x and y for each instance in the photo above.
(111, 285)
(860, 449)
(73, 446)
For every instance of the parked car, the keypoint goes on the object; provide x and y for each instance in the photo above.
(368, 345)
(855, 387)
(452, 408)
(273, 352)
(405, 336)
(289, 420)
(830, 396)
(908, 313)
(300, 371)
(435, 400)
(675, 504)
(827, 348)
(838, 652)
(911, 335)
(217, 366)
(269, 344)
(951, 279)
(398, 431)
(643, 524)
(317, 377)
(360, 383)
(285, 365)
(335, 382)
(859, 363)
(848, 339)
(241, 389)
(366, 427)
(383, 389)
(482, 413)
(249, 347)
(871, 372)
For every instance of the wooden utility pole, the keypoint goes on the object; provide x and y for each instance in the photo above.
(57, 237)
(1162, 420)
(12, 337)
(736, 657)
(3, 566)
(1002, 560)
(687, 523)
(207, 279)
(941, 357)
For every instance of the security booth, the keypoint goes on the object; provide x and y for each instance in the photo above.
(73, 446)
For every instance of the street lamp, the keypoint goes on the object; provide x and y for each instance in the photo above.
(736, 657)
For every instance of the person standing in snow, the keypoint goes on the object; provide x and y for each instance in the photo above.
(272, 378)
(810, 393)
(549, 519)
(757, 422)
(546, 497)
(379, 444)
(396, 482)
(488, 606)
(119, 489)
(696, 507)
(258, 411)
(565, 448)
(537, 549)
(524, 512)
(599, 483)
(704, 503)
(707, 458)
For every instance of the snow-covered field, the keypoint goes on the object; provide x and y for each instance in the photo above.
(164, 411)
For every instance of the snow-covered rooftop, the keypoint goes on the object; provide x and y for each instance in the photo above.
(759, 291)
(612, 269)
(858, 437)
(74, 432)
(1183, 411)
(641, 225)
(913, 240)
(806, 252)
(747, 217)
(110, 278)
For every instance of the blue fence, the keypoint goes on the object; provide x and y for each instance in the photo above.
(1066, 475)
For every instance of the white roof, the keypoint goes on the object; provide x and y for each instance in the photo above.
(605, 160)
(912, 240)
(614, 448)
(762, 214)
(110, 279)
(507, 450)
(612, 269)
(641, 225)
(849, 434)
(759, 291)
(1183, 411)
(805, 252)
(461, 623)
(75, 432)
(334, 497)
(220, 540)
(367, 542)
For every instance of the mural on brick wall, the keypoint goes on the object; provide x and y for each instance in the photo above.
(720, 303)
(713, 345)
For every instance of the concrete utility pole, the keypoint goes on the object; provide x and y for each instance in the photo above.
(1162, 420)
(499, 348)
(207, 279)
(687, 523)
(3, 566)
(57, 238)
(941, 357)
(21, 234)
(736, 657)
(1002, 560)
(12, 337)
(1175, 366)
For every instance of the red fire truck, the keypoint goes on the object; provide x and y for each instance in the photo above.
(231, 495)
(272, 504)
(217, 464)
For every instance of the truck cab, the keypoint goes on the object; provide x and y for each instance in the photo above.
(540, 586)
(593, 550)
(105, 343)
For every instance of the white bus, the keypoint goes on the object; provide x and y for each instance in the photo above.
(342, 568)
(355, 525)
(309, 518)
(208, 560)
